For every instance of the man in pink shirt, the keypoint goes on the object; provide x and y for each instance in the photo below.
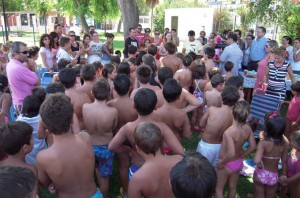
(21, 80)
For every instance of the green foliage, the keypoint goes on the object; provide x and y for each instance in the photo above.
(243, 12)
(223, 20)
(16, 5)
(143, 7)
(263, 11)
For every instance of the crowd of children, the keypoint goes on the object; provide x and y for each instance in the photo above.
(136, 111)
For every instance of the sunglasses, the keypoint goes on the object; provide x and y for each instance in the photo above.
(72, 35)
(24, 52)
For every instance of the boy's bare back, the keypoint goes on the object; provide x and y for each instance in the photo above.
(213, 98)
(171, 61)
(148, 86)
(86, 88)
(184, 77)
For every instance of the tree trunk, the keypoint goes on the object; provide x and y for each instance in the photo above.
(119, 25)
(45, 22)
(152, 9)
(130, 14)
(83, 22)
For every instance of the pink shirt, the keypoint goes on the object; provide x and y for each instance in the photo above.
(294, 109)
(261, 72)
(21, 80)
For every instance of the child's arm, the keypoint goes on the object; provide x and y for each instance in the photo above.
(44, 179)
(229, 147)
(75, 124)
(6, 103)
(172, 141)
(296, 123)
(252, 144)
(259, 154)
(41, 132)
(284, 157)
(115, 144)
(293, 178)
(203, 121)
(193, 102)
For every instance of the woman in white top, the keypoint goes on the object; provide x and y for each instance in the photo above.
(287, 43)
(94, 54)
(296, 56)
(167, 38)
(46, 53)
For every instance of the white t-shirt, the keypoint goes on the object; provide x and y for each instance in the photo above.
(296, 65)
(62, 53)
(194, 46)
(48, 55)
(96, 47)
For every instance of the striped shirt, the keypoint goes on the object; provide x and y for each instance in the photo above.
(277, 75)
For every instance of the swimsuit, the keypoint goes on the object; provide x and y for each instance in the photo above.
(267, 177)
(166, 150)
(235, 165)
(210, 151)
(104, 158)
(293, 166)
(132, 169)
(97, 194)
(198, 93)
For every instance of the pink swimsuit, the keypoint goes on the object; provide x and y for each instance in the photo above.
(266, 177)
(235, 165)
(293, 166)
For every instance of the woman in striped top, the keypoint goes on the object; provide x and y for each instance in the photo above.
(277, 71)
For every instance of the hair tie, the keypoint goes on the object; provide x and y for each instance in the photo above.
(273, 115)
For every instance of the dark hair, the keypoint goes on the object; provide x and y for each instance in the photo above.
(33, 51)
(101, 89)
(230, 95)
(63, 41)
(147, 136)
(67, 77)
(193, 55)
(132, 49)
(193, 177)
(252, 37)
(173, 29)
(191, 33)
(240, 112)
(17, 182)
(239, 31)
(297, 39)
(233, 37)
(97, 65)
(85, 36)
(31, 106)
(124, 68)
(149, 60)
(53, 88)
(115, 59)
(143, 74)
(46, 36)
(57, 113)
(88, 72)
(263, 29)
(216, 80)
(199, 72)
(235, 81)
(152, 49)
(57, 25)
(53, 35)
(122, 84)
(171, 90)
(145, 101)
(13, 136)
(164, 73)
(275, 128)
(187, 60)
(251, 30)
(228, 66)
(3, 82)
(296, 87)
(108, 69)
(180, 56)
(288, 39)
(109, 35)
(118, 52)
(62, 63)
(213, 71)
(170, 47)
(40, 93)
(210, 52)
(132, 28)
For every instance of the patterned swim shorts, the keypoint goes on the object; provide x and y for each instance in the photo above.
(105, 160)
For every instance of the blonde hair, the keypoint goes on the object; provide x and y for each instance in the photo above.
(273, 44)
(280, 51)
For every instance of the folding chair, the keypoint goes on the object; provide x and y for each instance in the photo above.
(46, 79)
(12, 114)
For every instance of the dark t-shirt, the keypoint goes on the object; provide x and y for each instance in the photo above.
(129, 41)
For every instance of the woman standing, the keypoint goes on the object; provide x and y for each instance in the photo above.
(157, 41)
(76, 47)
(46, 53)
(275, 77)
(287, 42)
(94, 54)
(246, 55)
(108, 48)
(167, 38)
(263, 64)
(54, 46)
(296, 56)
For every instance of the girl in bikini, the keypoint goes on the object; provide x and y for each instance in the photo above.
(232, 154)
(272, 147)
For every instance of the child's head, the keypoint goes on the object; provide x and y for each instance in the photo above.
(164, 73)
(62, 63)
(31, 106)
(240, 112)
(143, 74)
(199, 72)
(274, 127)
(149, 60)
(235, 81)
(296, 88)
(122, 84)
(295, 140)
(118, 53)
(228, 66)
(152, 49)
(57, 113)
(147, 137)
(17, 182)
(170, 47)
(39, 92)
(187, 60)
(180, 55)
(145, 101)
(124, 68)
(217, 82)
(132, 49)
(67, 77)
(3, 82)
(33, 52)
(98, 68)
(209, 52)
(16, 137)
(109, 71)
(115, 60)
(171, 90)
(53, 88)
(101, 89)
(88, 73)
(213, 71)
(193, 55)
(193, 176)
(230, 96)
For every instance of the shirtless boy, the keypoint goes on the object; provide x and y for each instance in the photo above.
(171, 60)
(152, 179)
(237, 82)
(152, 50)
(175, 118)
(144, 102)
(67, 78)
(211, 73)
(69, 162)
(184, 75)
(215, 121)
(100, 121)
(207, 60)
(126, 113)
(213, 97)
(88, 74)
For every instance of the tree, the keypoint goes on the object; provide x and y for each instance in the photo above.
(12, 6)
(130, 14)
(152, 4)
(243, 12)
(222, 20)
(143, 7)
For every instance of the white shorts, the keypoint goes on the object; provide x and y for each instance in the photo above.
(210, 151)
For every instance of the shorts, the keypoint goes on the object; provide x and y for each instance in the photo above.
(235, 165)
(105, 159)
(266, 177)
(132, 169)
(210, 151)
(97, 194)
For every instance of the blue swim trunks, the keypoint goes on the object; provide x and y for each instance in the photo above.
(97, 194)
(105, 160)
(132, 169)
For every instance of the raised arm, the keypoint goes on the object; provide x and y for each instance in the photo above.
(227, 144)
(171, 140)
(115, 144)
(251, 140)
(193, 102)
(41, 163)
(259, 154)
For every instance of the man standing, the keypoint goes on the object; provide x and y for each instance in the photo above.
(175, 37)
(131, 40)
(63, 52)
(232, 53)
(257, 49)
(191, 45)
(202, 38)
(240, 41)
(20, 78)
(58, 29)
(140, 37)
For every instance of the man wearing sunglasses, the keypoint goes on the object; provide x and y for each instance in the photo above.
(21, 80)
